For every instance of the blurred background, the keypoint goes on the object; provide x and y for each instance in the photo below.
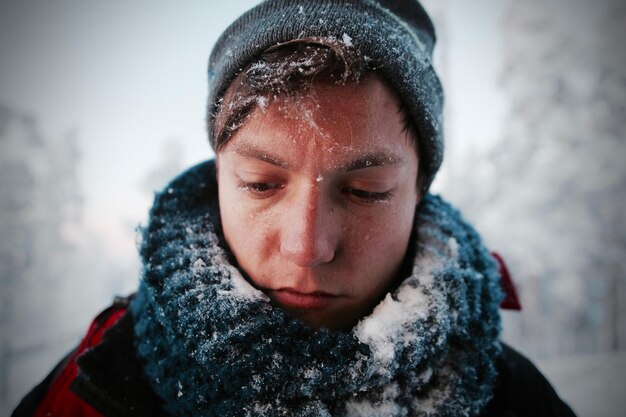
(101, 103)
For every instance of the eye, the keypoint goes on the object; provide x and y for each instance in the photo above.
(367, 197)
(260, 189)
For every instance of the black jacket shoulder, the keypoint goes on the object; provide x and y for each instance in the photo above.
(523, 391)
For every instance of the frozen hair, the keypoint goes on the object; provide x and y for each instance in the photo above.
(289, 68)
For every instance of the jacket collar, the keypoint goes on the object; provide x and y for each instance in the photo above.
(111, 377)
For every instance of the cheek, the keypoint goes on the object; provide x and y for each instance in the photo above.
(234, 217)
(379, 241)
(248, 232)
(243, 230)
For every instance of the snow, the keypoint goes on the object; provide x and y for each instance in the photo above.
(381, 329)
(453, 245)
(180, 390)
(261, 102)
(593, 391)
(347, 40)
(198, 266)
(242, 289)
(386, 407)
(425, 268)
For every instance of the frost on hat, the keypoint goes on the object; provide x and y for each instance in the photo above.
(396, 36)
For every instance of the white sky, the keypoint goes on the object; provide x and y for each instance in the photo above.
(129, 75)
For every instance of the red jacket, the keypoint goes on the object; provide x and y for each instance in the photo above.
(54, 396)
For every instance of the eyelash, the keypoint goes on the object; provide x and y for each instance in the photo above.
(260, 188)
(368, 197)
(265, 189)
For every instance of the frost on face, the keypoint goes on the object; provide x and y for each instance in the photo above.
(261, 102)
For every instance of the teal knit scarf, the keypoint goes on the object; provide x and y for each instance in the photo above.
(214, 346)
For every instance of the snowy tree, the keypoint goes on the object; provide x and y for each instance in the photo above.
(170, 164)
(39, 202)
(551, 193)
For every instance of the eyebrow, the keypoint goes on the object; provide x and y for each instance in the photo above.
(369, 160)
(253, 153)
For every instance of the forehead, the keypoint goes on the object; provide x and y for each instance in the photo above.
(338, 119)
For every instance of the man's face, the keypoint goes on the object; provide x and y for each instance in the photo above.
(317, 196)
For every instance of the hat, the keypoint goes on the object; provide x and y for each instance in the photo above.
(396, 37)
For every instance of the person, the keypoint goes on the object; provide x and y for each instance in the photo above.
(307, 270)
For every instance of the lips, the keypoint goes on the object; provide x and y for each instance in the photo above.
(291, 298)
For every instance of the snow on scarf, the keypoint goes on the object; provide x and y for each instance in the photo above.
(214, 346)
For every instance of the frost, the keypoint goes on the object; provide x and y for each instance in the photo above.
(453, 245)
(242, 288)
(311, 373)
(425, 375)
(261, 102)
(180, 389)
(198, 266)
(382, 330)
(347, 40)
(426, 266)
(429, 405)
(387, 406)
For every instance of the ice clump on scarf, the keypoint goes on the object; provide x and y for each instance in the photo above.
(213, 345)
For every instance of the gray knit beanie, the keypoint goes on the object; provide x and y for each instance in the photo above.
(396, 36)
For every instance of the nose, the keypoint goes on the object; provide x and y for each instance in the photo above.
(308, 236)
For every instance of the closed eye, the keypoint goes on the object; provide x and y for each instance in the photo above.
(367, 197)
(260, 189)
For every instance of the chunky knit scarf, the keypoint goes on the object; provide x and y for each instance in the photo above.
(213, 345)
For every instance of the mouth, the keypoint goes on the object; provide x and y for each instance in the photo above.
(291, 298)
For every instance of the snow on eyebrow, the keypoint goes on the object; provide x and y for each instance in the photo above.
(252, 152)
(370, 160)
